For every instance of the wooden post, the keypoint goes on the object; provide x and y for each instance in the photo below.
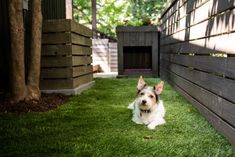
(94, 18)
(57, 9)
(69, 9)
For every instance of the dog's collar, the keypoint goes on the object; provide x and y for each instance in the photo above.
(145, 111)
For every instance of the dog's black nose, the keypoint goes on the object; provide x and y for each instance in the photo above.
(144, 101)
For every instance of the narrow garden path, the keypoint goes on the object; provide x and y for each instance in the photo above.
(98, 123)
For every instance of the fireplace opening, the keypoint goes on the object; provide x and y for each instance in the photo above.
(137, 59)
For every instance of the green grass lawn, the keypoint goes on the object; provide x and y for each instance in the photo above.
(98, 123)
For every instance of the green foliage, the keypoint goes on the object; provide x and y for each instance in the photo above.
(82, 11)
(98, 123)
(111, 13)
(149, 10)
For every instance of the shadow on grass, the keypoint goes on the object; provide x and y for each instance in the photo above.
(97, 123)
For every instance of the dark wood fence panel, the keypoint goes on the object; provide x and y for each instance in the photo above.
(223, 66)
(216, 121)
(198, 57)
(4, 46)
(53, 9)
(66, 55)
(134, 40)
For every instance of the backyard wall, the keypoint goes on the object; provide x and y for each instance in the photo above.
(104, 54)
(57, 9)
(198, 57)
(4, 46)
(66, 56)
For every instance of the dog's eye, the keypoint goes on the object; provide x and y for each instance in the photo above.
(141, 93)
(151, 96)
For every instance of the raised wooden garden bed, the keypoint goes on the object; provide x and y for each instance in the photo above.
(66, 56)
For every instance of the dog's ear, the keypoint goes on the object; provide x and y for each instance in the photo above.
(159, 88)
(141, 83)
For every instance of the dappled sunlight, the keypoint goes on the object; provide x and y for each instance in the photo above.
(198, 58)
(90, 126)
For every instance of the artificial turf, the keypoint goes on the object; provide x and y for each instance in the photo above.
(98, 123)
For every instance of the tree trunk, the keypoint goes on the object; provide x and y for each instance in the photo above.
(17, 68)
(22, 90)
(93, 4)
(33, 77)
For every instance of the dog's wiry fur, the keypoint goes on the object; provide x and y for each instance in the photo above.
(147, 108)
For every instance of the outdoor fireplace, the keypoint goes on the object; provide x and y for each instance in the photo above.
(137, 50)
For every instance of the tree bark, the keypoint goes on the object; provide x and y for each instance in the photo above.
(22, 87)
(17, 67)
(93, 3)
(33, 77)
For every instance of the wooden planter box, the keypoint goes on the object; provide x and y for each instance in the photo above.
(66, 55)
(138, 50)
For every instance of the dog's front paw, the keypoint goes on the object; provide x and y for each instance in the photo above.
(151, 126)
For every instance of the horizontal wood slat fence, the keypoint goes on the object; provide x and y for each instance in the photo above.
(66, 55)
(113, 56)
(198, 57)
(104, 54)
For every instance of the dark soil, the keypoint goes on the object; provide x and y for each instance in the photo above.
(47, 102)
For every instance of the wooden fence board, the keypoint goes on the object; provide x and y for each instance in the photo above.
(191, 35)
(211, 27)
(113, 56)
(230, 67)
(56, 84)
(221, 86)
(81, 60)
(137, 29)
(217, 65)
(66, 55)
(220, 106)
(68, 83)
(227, 130)
(67, 72)
(186, 9)
(65, 25)
(205, 12)
(170, 11)
(57, 61)
(56, 38)
(81, 70)
(56, 72)
(100, 54)
(199, 16)
(78, 81)
(60, 25)
(81, 50)
(80, 29)
(54, 50)
(100, 42)
(218, 44)
(201, 10)
(218, 6)
(80, 40)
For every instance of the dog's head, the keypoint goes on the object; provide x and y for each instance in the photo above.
(148, 96)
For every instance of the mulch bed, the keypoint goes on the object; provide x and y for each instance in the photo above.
(47, 102)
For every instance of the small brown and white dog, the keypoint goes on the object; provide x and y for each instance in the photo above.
(147, 108)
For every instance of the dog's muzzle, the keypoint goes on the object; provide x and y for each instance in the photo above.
(144, 102)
